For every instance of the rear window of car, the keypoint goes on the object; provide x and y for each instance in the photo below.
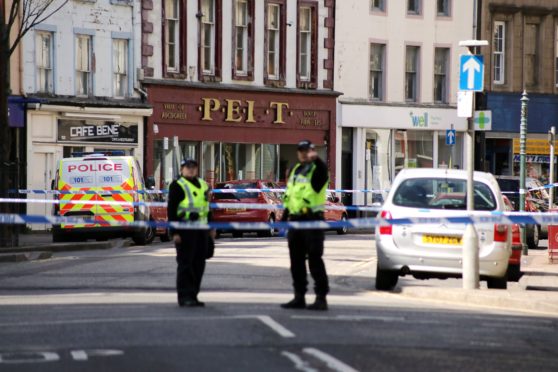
(442, 193)
(236, 195)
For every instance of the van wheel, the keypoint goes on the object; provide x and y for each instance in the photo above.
(344, 229)
(386, 280)
(58, 237)
(497, 283)
(144, 237)
(533, 236)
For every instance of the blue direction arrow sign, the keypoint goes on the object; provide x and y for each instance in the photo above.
(471, 73)
(450, 137)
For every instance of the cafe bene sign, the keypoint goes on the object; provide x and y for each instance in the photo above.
(242, 111)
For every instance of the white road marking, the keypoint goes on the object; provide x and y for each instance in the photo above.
(282, 331)
(29, 357)
(300, 364)
(484, 344)
(331, 362)
(350, 318)
(79, 355)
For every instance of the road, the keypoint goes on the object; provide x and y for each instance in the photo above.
(116, 310)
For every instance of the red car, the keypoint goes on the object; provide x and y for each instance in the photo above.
(335, 211)
(514, 265)
(159, 214)
(247, 215)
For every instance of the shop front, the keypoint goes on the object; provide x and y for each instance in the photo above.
(385, 139)
(57, 131)
(235, 134)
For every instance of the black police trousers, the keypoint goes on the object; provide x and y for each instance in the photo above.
(190, 257)
(309, 244)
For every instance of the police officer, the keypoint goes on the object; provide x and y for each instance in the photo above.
(189, 202)
(304, 200)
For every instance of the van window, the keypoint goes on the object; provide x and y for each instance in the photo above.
(442, 193)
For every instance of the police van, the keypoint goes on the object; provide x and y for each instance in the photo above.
(101, 177)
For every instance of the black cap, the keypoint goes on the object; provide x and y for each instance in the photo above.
(189, 163)
(305, 145)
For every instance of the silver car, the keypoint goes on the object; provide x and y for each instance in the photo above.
(435, 250)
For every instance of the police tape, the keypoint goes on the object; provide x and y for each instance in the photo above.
(215, 191)
(475, 218)
(231, 206)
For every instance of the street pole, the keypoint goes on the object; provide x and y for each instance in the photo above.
(522, 170)
(551, 140)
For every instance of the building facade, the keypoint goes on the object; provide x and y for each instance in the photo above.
(79, 67)
(398, 71)
(236, 84)
(522, 56)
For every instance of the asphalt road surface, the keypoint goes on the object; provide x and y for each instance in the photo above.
(116, 310)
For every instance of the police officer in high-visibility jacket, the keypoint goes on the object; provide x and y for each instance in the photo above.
(189, 202)
(304, 200)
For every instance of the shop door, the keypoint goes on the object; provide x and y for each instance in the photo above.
(41, 172)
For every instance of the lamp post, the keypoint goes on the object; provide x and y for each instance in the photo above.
(522, 170)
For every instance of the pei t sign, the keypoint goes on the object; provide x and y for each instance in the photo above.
(471, 73)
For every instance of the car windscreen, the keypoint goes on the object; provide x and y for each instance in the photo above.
(236, 195)
(442, 193)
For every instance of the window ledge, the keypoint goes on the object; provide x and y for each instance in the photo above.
(120, 2)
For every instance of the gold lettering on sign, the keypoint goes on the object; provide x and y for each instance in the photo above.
(310, 119)
(278, 106)
(173, 111)
(250, 112)
(233, 108)
(210, 104)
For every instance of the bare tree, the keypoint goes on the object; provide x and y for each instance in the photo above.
(17, 17)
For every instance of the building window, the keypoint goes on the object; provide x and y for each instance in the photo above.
(377, 5)
(44, 62)
(441, 57)
(307, 61)
(120, 67)
(413, 6)
(208, 37)
(411, 72)
(243, 39)
(531, 48)
(443, 8)
(376, 87)
(273, 41)
(172, 35)
(499, 52)
(83, 65)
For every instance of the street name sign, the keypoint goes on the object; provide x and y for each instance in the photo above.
(471, 72)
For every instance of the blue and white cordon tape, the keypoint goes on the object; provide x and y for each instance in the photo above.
(215, 191)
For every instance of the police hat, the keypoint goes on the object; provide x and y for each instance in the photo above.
(305, 145)
(190, 163)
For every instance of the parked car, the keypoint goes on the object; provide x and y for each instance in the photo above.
(336, 211)
(247, 215)
(514, 264)
(435, 250)
(536, 200)
(159, 214)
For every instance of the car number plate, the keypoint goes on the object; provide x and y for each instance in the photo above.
(233, 211)
(442, 240)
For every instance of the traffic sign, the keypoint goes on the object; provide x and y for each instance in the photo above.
(471, 72)
(450, 137)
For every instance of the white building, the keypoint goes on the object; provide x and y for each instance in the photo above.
(396, 63)
(80, 65)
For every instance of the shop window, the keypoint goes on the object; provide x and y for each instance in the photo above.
(441, 57)
(450, 157)
(120, 67)
(275, 42)
(307, 42)
(377, 5)
(414, 7)
(243, 40)
(499, 52)
(531, 50)
(210, 40)
(211, 162)
(69, 150)
(413, 149)
(376, 84)
(174, 29)
(83, 65)
(443, 8)
(411, 73)
(44, 57)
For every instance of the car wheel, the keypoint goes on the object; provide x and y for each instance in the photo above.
(514, 273)
(497, 283)
(268, 233)
(386, 280)
(144, 237)
(166, 237)
(344, 229)
(533, 236)
(237, 234)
